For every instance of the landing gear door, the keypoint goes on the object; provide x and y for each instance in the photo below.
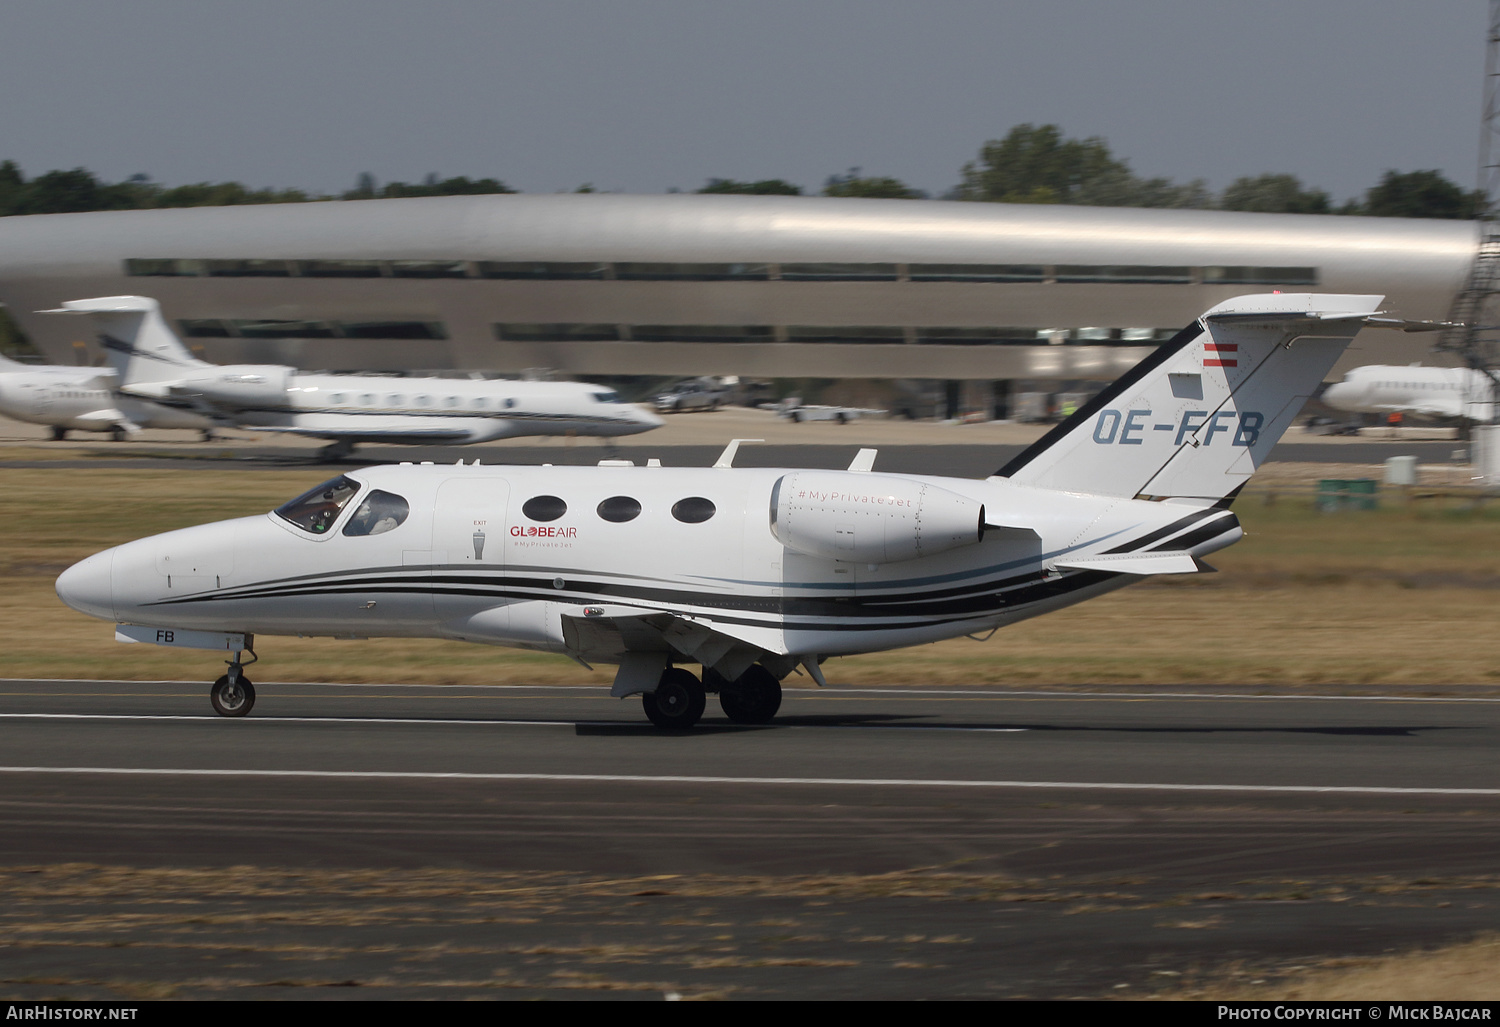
(468, 525)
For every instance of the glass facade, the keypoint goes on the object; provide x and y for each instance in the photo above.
(232, 328)
(724, 272)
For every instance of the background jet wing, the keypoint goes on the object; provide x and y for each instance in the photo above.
(393, 434)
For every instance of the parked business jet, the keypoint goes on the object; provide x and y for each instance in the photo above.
(153, 364)
(82, 398)
(747, 573)
(1429, 391)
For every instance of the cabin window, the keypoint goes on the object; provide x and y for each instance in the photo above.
(317, 509)
(451, 401)
(693, 510)
(479, 403)
(378, 513)
(544, 508)
(620, 509)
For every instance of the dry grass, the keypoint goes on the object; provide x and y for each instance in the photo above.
(1458, 973)
(1404, 596)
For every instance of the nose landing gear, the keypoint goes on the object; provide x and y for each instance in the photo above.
(233, 695)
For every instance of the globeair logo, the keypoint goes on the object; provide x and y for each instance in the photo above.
(541, 531)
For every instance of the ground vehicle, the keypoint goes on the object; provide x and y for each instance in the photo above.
(699, 394)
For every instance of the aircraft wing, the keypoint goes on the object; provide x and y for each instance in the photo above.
(392, 434)
(609, 632)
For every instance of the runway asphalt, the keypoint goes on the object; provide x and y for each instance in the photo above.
(872, 842)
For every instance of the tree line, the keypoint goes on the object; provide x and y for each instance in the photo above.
(1032, 164)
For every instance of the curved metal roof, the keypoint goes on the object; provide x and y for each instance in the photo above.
(710, 228)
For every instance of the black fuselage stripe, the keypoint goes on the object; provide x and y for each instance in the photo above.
(1213, 529)
(1161, 533)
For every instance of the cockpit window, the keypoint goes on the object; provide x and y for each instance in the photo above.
(607, 397)
(317, 509)
(378, 513)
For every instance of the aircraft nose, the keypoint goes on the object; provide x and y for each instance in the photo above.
(647, 419)
(1338, 395)
(87, 586)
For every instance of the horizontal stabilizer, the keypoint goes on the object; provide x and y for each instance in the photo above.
(1135, 563)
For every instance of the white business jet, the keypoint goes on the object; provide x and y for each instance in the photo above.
(82, 399)
(746, 573)
(152, 364)
(1430, 391)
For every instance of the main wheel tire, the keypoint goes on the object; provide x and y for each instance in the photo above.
(678, 701)
(232, 699)
(752, 698)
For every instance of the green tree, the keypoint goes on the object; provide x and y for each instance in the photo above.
(876, 187)
(223, 194)
(12, 183)
(765, 187)
(459, 186)
(1274, 194)
(1420, 194)
(1035, 164)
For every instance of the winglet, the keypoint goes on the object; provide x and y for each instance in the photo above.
(726, 458)
(864, 461)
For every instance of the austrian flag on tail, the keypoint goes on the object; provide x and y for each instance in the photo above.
(1220, 354)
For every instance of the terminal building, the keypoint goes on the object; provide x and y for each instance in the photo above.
(687, 284)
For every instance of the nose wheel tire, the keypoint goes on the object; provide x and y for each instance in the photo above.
(232, 698)
(752, 698)
(678, 701)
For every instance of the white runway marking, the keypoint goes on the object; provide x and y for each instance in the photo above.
(796, 691)
(484, 723)
(890, 782)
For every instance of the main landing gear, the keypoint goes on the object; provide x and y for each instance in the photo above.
(680, 698)
(338, 450)
(233, 695)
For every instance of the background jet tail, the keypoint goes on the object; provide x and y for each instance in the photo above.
(1198, 416)
(140, 345)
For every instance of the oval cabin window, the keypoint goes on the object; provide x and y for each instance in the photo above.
(620, 509)
(544, 508)
(693, 510)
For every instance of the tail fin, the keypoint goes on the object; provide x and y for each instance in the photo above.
(141, 346)
(1198, 416)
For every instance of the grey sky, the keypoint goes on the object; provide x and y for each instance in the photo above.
(643, 95)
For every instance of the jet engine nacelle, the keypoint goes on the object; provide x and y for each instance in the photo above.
(870, 518)
(239, 386)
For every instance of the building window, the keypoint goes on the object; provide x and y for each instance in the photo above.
(702, 333)
(248, 268)
(1125, 274)
(978, 273)
(339, 268)
(221, 328)
(162, 268)
(1260, 276)
(838, 272)
(429, 269)
(643, 272)
(846, 333)
(557, 332)
(392, 330)
(975, 336)
(525, 269)
(284, 329)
